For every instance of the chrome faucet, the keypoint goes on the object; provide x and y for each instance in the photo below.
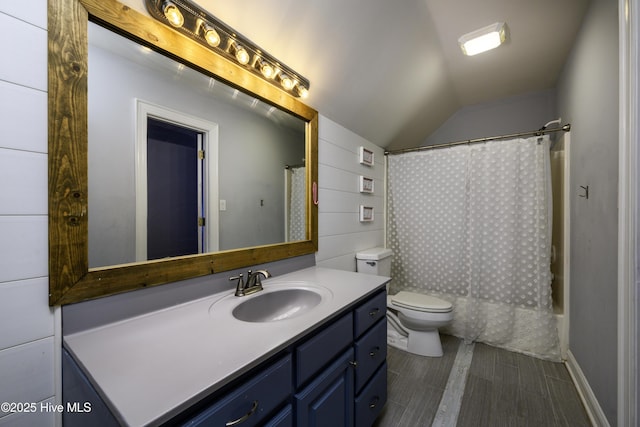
(253, 284)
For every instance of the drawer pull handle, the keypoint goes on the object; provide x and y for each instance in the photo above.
(245, 417)
(374, 312)
(374, 402)
(374, 351)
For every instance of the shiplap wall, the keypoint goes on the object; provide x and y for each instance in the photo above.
(29, 338)
(341, 234)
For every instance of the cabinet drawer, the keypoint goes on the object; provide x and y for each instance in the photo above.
(370, 312)
(371, 351)
(322, 348)
(284, 418)
(370, 402)
(253, 400)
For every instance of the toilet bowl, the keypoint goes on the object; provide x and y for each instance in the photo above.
(413, 319)
(413, 322)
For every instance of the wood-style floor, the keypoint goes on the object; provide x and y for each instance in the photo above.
(502, 389)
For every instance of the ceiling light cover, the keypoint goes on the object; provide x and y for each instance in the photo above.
(484, 39)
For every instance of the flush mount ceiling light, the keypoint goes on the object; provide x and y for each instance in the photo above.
(199, 25)
(484, 39)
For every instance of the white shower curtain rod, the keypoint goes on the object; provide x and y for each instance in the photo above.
(565, 128)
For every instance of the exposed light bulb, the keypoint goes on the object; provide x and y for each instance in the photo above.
(242, 55)
(266, 69)
(211, 36)
(207, 30)
(173, 14)
(303, 92)
(286, 82)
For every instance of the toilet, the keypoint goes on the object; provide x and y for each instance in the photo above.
(413, 319)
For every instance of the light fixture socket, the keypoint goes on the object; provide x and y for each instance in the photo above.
(303, 92)
(173, 14)
(483, 39)
(286, 81)
(208, 33)
(199, 25)
(267, 70)
(239, 52)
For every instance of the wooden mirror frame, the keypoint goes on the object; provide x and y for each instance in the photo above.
(70, 279)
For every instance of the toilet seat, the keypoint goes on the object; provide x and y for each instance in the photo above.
(420, 302)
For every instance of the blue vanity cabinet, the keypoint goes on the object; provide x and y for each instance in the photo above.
(333, 376)
(284, 418)
(319, 350)
(370, 330)
(369, 312)
(370, 352)
(346, 365)
(250, 403)
(371, 400)
(328, 399)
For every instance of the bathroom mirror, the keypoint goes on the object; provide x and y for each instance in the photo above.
(78, 268)
(215, 168)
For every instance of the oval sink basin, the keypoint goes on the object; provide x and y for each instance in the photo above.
(277, 305)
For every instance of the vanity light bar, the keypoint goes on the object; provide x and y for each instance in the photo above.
(198, 24)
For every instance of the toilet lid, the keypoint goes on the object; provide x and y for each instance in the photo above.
(421, 302)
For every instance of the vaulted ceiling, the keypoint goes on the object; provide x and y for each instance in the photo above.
(392, 71)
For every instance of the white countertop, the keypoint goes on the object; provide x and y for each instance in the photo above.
(152, 367)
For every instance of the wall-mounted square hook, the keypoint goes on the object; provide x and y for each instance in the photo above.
(586, 192)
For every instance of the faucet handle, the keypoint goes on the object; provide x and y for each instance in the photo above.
(239, 285)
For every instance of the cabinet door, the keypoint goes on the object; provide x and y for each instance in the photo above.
(329, 399)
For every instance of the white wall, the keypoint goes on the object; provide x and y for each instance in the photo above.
(588, 99)
(340, 232)
(515, 114)
(28, 327)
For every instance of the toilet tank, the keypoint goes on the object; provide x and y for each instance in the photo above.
(374, 261)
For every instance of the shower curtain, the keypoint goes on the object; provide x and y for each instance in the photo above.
(295, 217)
(472, 224)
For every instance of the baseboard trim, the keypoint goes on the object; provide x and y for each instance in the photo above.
(591, 405)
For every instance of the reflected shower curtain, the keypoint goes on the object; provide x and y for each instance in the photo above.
(472, 224)
(295, 191)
